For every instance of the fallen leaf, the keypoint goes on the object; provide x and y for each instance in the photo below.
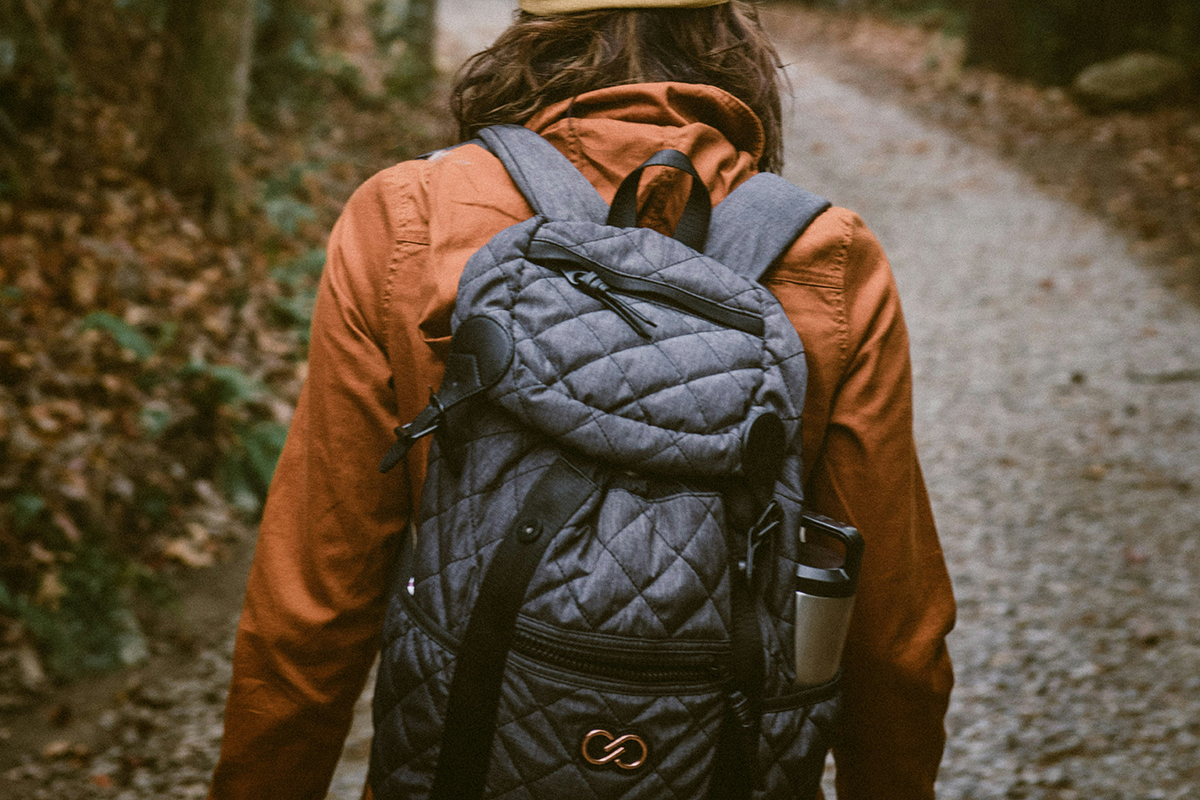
(198, 532)
(67, 525)
(29, 665)
(1134, 556)
(40, 554)
(56, 749)
(50, 590)
(186, 552)
(60, 715)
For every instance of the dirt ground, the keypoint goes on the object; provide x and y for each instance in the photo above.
(1056, 358)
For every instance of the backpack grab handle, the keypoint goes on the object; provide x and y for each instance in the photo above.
(692, 229)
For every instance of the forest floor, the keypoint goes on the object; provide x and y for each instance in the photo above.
(1057, 421)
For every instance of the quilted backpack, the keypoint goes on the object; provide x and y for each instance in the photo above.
(599, 600)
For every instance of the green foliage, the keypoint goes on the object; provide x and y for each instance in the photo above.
(297, 310)
(281, 199)
(299, 271)
(225, 396)
(8, 57)
(245, 472)
(285, 58)
(286, 213)
(405, 29)
(155, 420)
(290, 71)
(90, 628)
(1051, 41)
(125, 335)
(299, 279)
(220, 385)
(79, 613)
(26, 508)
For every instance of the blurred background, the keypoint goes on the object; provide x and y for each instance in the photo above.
(169, 171)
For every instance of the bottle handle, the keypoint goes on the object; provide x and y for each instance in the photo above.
(846, 534)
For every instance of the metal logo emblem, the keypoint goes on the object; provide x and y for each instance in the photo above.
(627, 752)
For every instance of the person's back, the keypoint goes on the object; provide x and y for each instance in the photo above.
(332, 527)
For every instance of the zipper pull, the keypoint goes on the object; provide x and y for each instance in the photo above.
(739, 704)
(593, 285)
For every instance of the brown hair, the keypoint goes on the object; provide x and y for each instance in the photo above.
(541, 60)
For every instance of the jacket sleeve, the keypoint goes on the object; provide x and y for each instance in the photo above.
(315, 598)
(864, 471)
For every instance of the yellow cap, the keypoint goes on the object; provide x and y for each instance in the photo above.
(571, 6)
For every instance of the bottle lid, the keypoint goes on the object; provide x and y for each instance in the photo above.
(824, 582)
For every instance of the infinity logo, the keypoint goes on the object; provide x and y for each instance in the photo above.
(616, 747)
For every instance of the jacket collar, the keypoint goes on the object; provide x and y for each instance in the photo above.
(681, 106)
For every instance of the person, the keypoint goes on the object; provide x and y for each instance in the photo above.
(607, 82)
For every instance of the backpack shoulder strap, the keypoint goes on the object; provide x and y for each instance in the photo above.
(551, 183)
(758, 222)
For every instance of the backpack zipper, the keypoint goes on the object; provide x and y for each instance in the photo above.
(635, 663)
(605, 283)
(631, 665)
(593, 285)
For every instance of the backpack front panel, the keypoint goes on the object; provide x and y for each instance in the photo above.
(675, 397)
(635, 589)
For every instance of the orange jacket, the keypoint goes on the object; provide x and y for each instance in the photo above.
(316, 595)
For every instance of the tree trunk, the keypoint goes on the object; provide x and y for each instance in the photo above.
(412, 75)
(1051, 42)
(994, 36)
(210, 45)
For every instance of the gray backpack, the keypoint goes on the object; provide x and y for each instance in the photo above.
(599, 602)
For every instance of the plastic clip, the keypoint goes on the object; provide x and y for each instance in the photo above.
(768, 523)
(407, 435)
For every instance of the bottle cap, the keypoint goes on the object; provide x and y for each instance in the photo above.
(824, 582)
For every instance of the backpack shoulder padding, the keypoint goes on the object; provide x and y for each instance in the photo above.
(758, 222)
(749, 230)
(550, 183)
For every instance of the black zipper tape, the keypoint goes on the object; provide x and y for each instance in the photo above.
(636, 662)
(564, 260)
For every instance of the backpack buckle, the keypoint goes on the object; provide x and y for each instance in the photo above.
(428, 421)
(770, 521)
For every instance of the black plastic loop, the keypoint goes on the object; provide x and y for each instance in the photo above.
(692, 229)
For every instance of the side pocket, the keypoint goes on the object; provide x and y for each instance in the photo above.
(797, 731)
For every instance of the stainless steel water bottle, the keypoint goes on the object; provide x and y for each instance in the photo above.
(826, 582)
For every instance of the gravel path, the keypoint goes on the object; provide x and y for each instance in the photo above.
(1058, 417)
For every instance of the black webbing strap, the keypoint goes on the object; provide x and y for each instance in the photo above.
(735, 770)
(479, 672)
(692, 228)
